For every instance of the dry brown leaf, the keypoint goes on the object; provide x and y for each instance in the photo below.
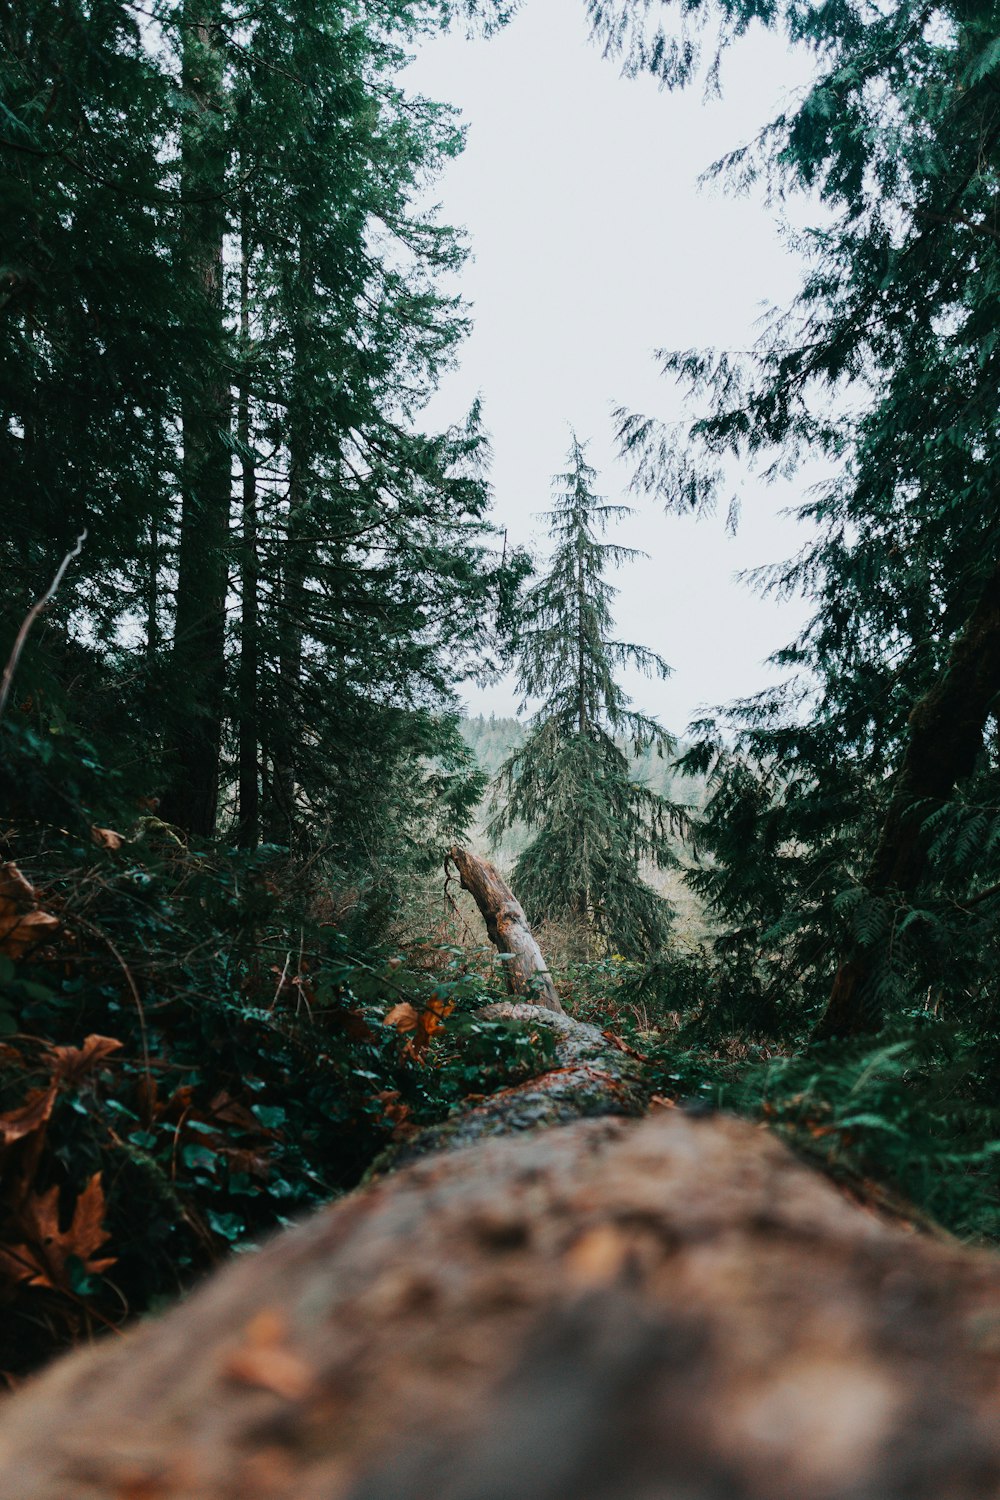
(74, 1063)
(403, 1017)
(266, 1362)
(231, 1112)
(276, 1370)
(14, 887)
(28, 1117)
(106, 838)
(430, 1020)
(22, 924)
(42, 1260)
(623, 1046)
(598, 1257)
(397, 1112)
(423, 1023)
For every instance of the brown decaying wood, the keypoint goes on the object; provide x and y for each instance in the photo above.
(526, 971)
(603, 1311)
(945, 736)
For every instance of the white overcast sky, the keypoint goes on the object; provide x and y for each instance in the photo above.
(592, 246)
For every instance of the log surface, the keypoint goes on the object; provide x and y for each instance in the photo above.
(593, 1076)
(674, 1309)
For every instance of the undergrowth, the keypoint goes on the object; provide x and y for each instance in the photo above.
(195, 1048)
(909, 1117)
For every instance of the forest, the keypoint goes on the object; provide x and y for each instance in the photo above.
(283, 926)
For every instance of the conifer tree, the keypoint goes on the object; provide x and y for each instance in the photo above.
(593, 825)
(852, 823)
(220, 317)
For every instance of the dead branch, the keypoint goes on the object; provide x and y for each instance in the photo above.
(30, 618)
(525, 970)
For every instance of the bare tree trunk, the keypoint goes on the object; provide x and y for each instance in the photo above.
(194, 736)
(526, 971)
(945, 737)
(249, 669)
(286, 732)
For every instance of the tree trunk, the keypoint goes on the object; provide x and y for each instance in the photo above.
(194, 736)
(248, 727)
(671, 1308)
(293, 603)
(525, 971)
(945, 737)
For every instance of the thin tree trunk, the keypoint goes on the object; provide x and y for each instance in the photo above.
(153, 597)
(286, 730)
(248, 728)
(945, 737)
(586, 905)
(194, 737)
(284, 737)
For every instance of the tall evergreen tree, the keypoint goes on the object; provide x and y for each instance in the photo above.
(197, 674)
(570, 781)
(374, 564)
(221, 318)
(854, 827)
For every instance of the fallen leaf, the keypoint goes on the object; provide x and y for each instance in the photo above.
(14, 887)
(403, 1017)
(231, 1112)
(106, 838)
(623, 1046)
(42, 1260)
(22, 924)
(74, 1063)
(397, 1112)
(353, 1024)
(423, 1023)
(28, 1117)
(266, 1362)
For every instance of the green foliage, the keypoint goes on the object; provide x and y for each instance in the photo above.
(885, 368)
(909, 1120)
(248, 1072)
(241, 435)
(914, 1112)
(570, 780)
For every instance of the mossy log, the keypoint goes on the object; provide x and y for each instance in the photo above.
(675, 1307)
(525, 970)
(594, 1076)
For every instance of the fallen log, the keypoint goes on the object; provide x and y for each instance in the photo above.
(593, 1076)
(674, 1308)
(525, 970)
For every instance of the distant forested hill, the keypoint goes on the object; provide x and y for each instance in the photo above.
(494, 738)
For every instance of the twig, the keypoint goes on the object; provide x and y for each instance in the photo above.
(281, 981)
(30, 618)
(99, 933)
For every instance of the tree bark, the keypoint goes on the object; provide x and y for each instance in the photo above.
(285, 738)
(197, 688)
(609, 1310)
(248, 729)
(525, 971)
(946, 730)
